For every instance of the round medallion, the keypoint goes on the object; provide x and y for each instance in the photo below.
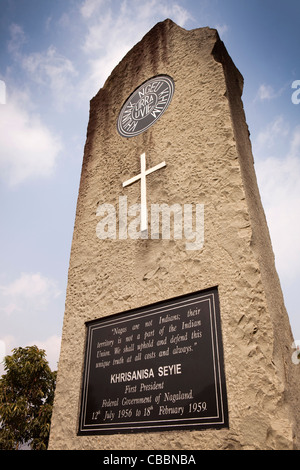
(145, 105)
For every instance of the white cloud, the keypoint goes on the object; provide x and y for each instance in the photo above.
(30, 292)
(90, 7)
(265, 92)
(269, 137)
(27, 147)
(278, 180)
(2, 350)
(105, 34)
(17, 39)
(52, 348)
(111, 34)
(295, 143)
(49, 69)
(7, 343)
(222, 29)
(53, 70)
(175, 12)
(2, 92)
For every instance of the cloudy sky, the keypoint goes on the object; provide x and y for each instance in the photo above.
(54, 57)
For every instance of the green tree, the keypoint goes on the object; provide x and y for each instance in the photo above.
(26, 399)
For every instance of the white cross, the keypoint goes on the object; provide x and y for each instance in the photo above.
(142, 177)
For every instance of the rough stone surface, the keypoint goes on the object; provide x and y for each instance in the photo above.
(204, 139)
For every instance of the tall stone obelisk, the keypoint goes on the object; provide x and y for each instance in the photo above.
(175, 333)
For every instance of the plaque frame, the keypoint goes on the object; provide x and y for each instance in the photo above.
(164, 310)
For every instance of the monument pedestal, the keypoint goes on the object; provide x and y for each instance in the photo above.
(176, 99)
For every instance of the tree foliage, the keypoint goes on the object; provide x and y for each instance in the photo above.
(26, 399)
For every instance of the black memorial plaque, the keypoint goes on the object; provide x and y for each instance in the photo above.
(155, 368)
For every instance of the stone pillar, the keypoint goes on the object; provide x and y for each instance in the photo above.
(203, 138)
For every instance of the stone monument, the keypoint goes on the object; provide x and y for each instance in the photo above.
(175, 334)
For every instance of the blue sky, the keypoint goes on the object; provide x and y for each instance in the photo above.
(54, 57)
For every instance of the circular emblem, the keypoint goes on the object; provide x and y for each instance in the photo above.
(145, 105)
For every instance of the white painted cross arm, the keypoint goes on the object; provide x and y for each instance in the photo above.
(142, 177)
(147, 172)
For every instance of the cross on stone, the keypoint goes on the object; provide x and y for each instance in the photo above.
(142, 177)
